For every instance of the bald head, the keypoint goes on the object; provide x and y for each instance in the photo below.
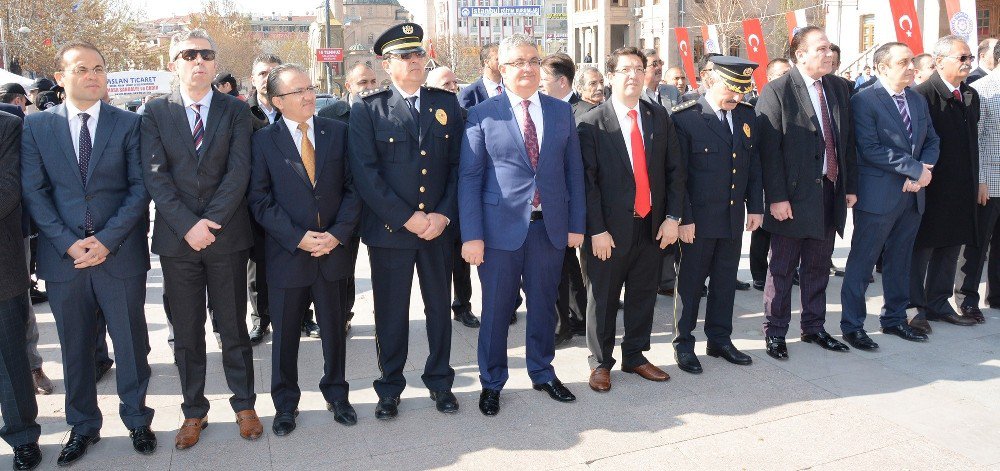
(443, 78)
(675, 76)
(985, 53)
(360, 78)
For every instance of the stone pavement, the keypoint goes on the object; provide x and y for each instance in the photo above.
(907, 406)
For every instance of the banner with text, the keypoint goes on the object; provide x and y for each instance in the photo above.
(481, 12)
(139, 82)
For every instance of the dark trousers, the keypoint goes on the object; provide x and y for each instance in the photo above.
(75, 305)
(289, 306)
(185, 281)
(718, 259)
(671, 261)
(17, 390)
(932, 279)
(392, 279)
(537, 262)
(461, 276)
(974, 258)
(895, 231)
(571, 305)
(812, 258)
(634, 265)
(760, 245)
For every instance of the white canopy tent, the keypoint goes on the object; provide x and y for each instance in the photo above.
(8, 77)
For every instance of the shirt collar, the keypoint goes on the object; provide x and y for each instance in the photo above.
(205, 101)
(951, 89)
(491, 85)
(294, 125)
(94, 111)
(622, 110)
(568, 96)
(715, 109)
(888, 89)
(515, 101)
(407, 95)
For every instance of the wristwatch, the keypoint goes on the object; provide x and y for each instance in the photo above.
(674, 218)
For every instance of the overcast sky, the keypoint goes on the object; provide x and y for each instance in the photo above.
(160, 8)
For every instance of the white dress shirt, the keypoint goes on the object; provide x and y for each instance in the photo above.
(205, 103)
(892, 94)
(535, 110)
(491, 87)
(718, 115)
(76, 124)
(621, 112)
(567, 97)
(814, 98)
(271, 113)
(407, 95)
(293, 128)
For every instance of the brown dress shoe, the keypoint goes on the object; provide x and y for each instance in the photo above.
(600, 379)
(43, 385)
(190, 433)
(250, 426)
(920, 324)
(648, 371)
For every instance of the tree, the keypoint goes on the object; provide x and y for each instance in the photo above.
(230, 29)
(728, 15)
(461, 54)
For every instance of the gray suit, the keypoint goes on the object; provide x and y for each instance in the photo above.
(58, 197)
(187, 186)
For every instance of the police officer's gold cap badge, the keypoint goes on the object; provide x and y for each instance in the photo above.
(442, 117)
(407, 29)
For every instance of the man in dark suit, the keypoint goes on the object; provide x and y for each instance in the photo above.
(196, 160)
(522, 203)
(17, 395)
(83, 185)
(408, 181)
(949, 219)
(897, 147)
(302, 194)
(557, 72)
(986, 60)
(489, 85)
(718, 140)
(634, 190)
(806, 146)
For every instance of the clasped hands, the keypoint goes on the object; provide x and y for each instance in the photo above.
(318, 244)
(925, 179)
(426, 226)
(88, 252)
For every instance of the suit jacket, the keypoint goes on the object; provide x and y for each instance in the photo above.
(13, 270)
(473, 94)
(286, 203)
(400, 166)
(975, 75)
(609, 176)
(188, 185)
(339, 110)
(887, 157)
(579, 106)
(259, 116)
(722, 169)
(950, 215)
(497, 182)
(12, 109)
(58, 201)
(792, 153)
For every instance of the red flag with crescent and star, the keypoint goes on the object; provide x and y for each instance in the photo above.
(753, 34)
(904, 16)
(684, 46)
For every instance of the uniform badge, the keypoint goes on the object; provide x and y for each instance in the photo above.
(442, 117)
(407, 29)
(746, 129)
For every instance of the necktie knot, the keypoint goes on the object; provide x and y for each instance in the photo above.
(84, 117)
(526, 104)
(499, 90)
(900, 98)
(196, 107)
(957, 94)
(412, 101)
(304, 127)
(818, 85)
(633, 115)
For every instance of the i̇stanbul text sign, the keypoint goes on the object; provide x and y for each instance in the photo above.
(478, 12)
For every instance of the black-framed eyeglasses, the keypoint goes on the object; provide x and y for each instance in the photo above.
(963, 58)
(631, 70)
(520, 63)
(409, 55)
(301, 91)
(192, 54)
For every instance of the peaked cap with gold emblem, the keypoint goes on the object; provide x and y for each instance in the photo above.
(737, 73)
(400, 39)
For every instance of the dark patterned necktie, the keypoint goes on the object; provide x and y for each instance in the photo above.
(86, 148)
(411, 101)
(531, 145)
(831, 148)
(904, 113)
(199, 127)
(725, 123)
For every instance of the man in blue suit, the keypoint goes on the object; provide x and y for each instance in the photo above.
(489, 85)
(521, 203)
(897, 147)
(83, 185)
(301, 193)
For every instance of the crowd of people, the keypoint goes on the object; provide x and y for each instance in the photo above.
(569, 186)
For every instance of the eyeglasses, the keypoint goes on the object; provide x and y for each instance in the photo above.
(83, 71)
(189, 55)
(963, 58)
(300, 92)
(409, 55)
(520, 63)
(631, 70)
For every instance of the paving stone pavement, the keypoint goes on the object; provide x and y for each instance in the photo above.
(907, 406)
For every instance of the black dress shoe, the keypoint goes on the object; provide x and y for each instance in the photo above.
(919, 324)
(837, 271)
(103, 368)
(513, 318)
(665, 292)
(445, 401)
(310, 328)
(776, 348)
(27, 456)
(564, 335)
(973, 312)
(758, 285)
(688, 362)
(742, 285)
(861, 341)
(284, 423)
(258, 333)
(489, 402)
(905, 332)
(75, 448)
(556, 390)
(704, 291)
(347, 326)
(826, 341)
(730, 354)
(38, 296)
(387, 408)
(795, 278)
(951, 318)
(467, 318)
(143, 440)
(343, 412)
(578, 328)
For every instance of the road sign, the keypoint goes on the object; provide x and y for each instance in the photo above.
(330, 54)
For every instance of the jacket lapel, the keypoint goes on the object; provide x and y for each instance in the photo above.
(614, 128)
(426, 114)
(283, 141)
(506, 114)
(61, 129)
(105, 126)
(400, 109)
(178, 115)
(802, 95)
(713, 122)
(890, 105)
(322, 145)
(833, 106)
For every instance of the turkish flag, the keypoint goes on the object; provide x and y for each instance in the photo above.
(904, 16)
(753, 34)
(684, 45)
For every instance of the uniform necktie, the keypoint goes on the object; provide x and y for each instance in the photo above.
(725, 123)
(86, 148)
(199, 126)
(639, 171)
(831, 148)
(308, 153)
(530, 144)
(412, 102)
(903, 113)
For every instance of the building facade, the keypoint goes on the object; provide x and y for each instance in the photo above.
(364, 21)
(486, 21)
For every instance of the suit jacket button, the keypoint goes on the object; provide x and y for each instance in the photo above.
(731, 202)
(423, 171)
(819, 180)
(734, 155)
(420, 206)
(446, 136)
(317, 197)
(391, 139)
(733, 187)
(89, 197)
(706, 149)
(422, 189)
(734, 171)
(423, 152)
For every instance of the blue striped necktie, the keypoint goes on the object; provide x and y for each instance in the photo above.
(901, 104)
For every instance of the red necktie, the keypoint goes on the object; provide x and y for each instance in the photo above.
(639, 167)
(957, 94)
(831, 148)
(499, 90)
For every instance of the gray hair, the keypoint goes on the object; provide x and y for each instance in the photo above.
(943, 46)
(275, 76)
(185, 35)
(514, 41)
(581, 77)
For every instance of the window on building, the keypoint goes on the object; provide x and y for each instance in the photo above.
(983, 23)
(867, 32)
(371, 38)
(734, 45)
(656, 43)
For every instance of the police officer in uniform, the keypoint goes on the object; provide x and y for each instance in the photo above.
(717, 134)
(404, 158)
